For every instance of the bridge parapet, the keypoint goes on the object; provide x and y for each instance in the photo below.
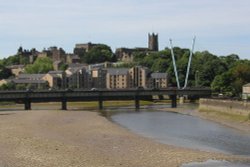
(97, 95)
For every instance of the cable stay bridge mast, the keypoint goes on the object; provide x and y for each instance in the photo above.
(188, 66)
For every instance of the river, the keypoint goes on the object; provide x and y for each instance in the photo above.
(184, 131)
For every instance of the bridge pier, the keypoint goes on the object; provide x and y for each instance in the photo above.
(64, 104)
(27, 104)
(137, 103)
(100, 102)
(173, 101)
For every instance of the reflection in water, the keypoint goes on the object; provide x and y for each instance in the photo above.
(185, 131)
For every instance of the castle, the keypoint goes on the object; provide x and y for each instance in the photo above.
(127, 54)
(59, 55)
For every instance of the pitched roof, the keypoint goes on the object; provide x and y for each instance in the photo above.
(246, 85)
(31, 76)
(158, 75)
(70, 71)
(76, 65)
(117, 71)
(56, 74)
(27, 81)
(15, 66)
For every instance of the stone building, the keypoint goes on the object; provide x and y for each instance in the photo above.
(30, 84)
(16, 69)
(72, 59)
(98, 76)
(30, 81)
(78, 77)
(56, 79)
(158, 80)
(139, 77)
(246, 91)
(82, 48)
(57, 64)
(56, 54)
(127, 54)
(153, 42)
(117, 78)
(27, 56)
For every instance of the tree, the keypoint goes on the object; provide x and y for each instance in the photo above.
(63, 67)
(230, 60)
(8, 86)
(11, 60)
(98, 54)
(5, 72)
(41, 65)
(222, 83)
(160, 65)
(241, 75)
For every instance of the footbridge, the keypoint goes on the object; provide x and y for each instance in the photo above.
(64, 96)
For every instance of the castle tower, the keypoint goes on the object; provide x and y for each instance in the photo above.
(153, 42)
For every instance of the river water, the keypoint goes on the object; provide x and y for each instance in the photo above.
(185, 131)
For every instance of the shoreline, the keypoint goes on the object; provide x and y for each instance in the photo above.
(83, 138)
(242, 126)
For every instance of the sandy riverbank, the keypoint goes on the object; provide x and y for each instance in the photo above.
(74, 139)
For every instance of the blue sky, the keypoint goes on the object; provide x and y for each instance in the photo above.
(220, 26)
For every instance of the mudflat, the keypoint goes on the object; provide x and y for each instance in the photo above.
(83, 139)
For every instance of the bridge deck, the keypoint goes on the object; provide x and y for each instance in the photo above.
(98, 95)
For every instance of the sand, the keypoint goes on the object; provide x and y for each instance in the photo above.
(84, 139)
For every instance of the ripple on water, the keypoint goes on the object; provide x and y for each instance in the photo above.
(215, 163)
(185, 131)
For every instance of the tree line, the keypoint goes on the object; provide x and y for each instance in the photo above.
(224, 74)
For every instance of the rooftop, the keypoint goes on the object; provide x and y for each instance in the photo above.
(117, 71)
(158, 75)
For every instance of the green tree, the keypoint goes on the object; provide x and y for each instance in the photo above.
(5, 72)
(41, 65)
(230, 60)
(98, 54)
(63, 67)
(160, 65)
(8, 86)
(11, 60)
(222, 83)
(241, 75)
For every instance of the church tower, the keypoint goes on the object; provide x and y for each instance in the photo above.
(153, 42)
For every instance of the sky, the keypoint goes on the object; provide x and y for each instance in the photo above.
(221, 26)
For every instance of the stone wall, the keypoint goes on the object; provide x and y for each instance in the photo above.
(227, 106)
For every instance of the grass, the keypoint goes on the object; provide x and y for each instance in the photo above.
(107, 104)
(3, 103)
(88, 105)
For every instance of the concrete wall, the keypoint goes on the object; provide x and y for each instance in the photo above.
(227, 106)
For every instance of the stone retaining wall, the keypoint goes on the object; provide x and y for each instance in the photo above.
(227, 106)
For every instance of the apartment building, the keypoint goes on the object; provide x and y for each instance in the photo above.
(117, 78)
(78, 77)
(139, 77)
(56, 79)
(16, 69)
(98, 76)
(158, 80)
(246, 91)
